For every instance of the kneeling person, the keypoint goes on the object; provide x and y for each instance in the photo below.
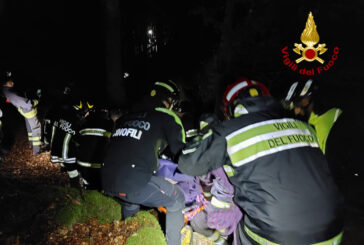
(131, 162)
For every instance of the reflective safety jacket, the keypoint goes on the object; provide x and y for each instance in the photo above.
(323, 124)
(23, 104)
(64, 137)
(93, 140)
(132, 156)
(280, 176)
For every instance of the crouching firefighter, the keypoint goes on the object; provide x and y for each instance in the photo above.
(27, 108)
(93, 139)
(280, 176)
(131, 162)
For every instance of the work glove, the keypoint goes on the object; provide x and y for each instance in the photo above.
(207, 122)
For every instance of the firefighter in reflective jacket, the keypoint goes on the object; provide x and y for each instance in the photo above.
(93, 139)
(131, 161)
(280, 175)
(300, 100)
(28, 109)
(64, 140)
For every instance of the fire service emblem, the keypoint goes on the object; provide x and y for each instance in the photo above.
(310, 49)
(310, 38)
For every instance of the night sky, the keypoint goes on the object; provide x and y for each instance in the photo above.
(49, 43)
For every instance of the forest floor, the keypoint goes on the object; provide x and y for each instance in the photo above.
(27, 206)
(28, 219)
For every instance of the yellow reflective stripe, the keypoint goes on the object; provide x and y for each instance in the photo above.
(89, 165)
(36, 143)
(229, 170)
(219, 204)
(333, 241)
(34, 138)
(176, 119)
(66, 141)
(336, 240)
(258, 238)
(165, 85)
(209, 133)
(94, 132)
(203, 124)
(29, 114)
(222, 230)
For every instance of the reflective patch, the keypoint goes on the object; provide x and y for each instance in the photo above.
(72, 174)
(268, 137)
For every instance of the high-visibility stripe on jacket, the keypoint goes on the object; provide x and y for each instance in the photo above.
(336, 240)
(64, 137)
(280, 175)
(268, 137)
(94, 134)
(29, 114)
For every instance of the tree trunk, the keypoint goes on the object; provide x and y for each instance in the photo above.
(113, 62)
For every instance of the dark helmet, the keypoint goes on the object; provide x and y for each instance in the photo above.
(6, 76)
(298, 91)
(238, 97)
(163, 90)
(83, 106)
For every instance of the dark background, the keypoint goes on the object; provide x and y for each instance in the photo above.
(202, 44)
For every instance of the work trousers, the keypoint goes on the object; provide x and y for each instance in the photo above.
(34, 133)
(159, 192)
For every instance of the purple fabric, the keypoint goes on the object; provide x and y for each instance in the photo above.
(216, 218)
(223, 218)
(219, 218)
(221, 188)
(189, 185)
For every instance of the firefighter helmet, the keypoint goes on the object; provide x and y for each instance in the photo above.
(298, 91)
(238, 95)
(167, 91)
(84, 107)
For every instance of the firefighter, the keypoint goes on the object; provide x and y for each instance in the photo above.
(93, 139)
(300, 100)
(332, 127)
(53, 112)
(64, 139)
(185, 111)
(28, 109)
(131, 161)
(280, 175)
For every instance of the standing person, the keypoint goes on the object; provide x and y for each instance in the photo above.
(27, 108)
(131, 162)
(93, 139)
(280, 176)
(65, 133)
(54, 109)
